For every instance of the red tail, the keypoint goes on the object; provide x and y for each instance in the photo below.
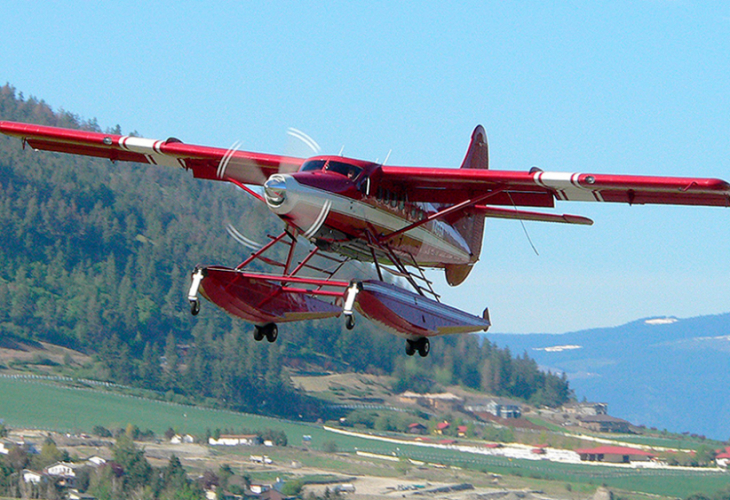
(471, 225)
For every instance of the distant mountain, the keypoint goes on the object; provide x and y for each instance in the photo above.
(660, 372)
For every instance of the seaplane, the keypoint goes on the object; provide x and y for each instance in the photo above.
(398, 220)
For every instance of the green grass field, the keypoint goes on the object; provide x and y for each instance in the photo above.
(41, 404)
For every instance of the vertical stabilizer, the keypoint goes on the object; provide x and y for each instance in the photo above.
(471, 224)
(477, 156)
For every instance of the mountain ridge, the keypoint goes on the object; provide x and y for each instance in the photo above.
(660, 374)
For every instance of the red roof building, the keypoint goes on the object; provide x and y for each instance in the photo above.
(614, 454)
(441, 427)
(722, 458)
(416, 428)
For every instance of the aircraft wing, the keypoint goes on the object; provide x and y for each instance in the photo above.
(540, 189)
(205, 162)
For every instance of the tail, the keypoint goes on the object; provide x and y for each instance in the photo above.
(471, 225)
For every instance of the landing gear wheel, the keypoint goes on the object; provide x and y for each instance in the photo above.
(194, 307)
(258, 333)
(272, 332)
(410, 347)
(350, 322)
(424, 347)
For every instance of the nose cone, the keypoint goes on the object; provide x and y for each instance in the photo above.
(275, 190)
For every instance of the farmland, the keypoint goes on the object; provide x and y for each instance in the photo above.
(41, 404)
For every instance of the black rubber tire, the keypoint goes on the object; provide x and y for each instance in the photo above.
(424, 347)
(258, 333)
(194, 307)
(410, 347)
(272, 332)
(350, 322)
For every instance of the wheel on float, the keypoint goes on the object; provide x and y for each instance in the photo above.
(410, 347)
(350, 322)
(272, 332)
(424, 347)
(258, 333)
(194, 307)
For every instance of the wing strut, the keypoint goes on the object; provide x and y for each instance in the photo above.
(258, 253)
(247, 189)
(443, 213)
(400, 268)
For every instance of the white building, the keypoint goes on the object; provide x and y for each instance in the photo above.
(235, 440)
(77, 495)
(95, 461)
(182, 438)
(499, 407)
(30, 476)
(63, 469)
(586, 408)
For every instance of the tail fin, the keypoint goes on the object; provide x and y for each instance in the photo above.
(477, 156)
(471, 224)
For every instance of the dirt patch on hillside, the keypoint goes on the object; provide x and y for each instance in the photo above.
(39, 353)
(347, 386)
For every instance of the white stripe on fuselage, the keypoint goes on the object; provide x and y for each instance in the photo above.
(316, 199)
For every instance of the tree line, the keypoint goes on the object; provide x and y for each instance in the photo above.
(97, 257)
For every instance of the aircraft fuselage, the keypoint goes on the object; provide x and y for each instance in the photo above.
(334, 203)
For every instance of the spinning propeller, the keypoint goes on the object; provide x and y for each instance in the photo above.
(298, 145)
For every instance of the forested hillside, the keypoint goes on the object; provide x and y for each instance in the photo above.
(97, 256)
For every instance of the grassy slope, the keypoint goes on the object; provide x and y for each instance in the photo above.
(38, 404)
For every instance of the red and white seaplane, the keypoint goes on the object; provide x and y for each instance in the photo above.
(401, 219)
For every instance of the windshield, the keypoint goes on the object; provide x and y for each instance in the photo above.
(350, 171)
(312, 165)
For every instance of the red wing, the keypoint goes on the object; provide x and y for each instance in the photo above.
(205, 162)
(540, 189)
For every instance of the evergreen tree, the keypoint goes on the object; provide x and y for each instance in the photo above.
(97, 257)
(137, 471)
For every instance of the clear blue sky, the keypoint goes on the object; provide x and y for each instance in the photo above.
(621, 87)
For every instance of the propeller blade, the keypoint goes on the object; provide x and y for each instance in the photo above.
(299, 144)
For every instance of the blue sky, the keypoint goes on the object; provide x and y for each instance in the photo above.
(606, 87)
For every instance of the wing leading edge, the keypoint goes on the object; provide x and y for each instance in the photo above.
(205, 162)
(540, 189)
(437, 185)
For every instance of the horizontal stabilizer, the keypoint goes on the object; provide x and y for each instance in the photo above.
(507, 213)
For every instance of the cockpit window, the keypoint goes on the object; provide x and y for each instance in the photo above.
(312, 165)
(350, 171)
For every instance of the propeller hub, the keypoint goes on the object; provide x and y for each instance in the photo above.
(275, 190)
